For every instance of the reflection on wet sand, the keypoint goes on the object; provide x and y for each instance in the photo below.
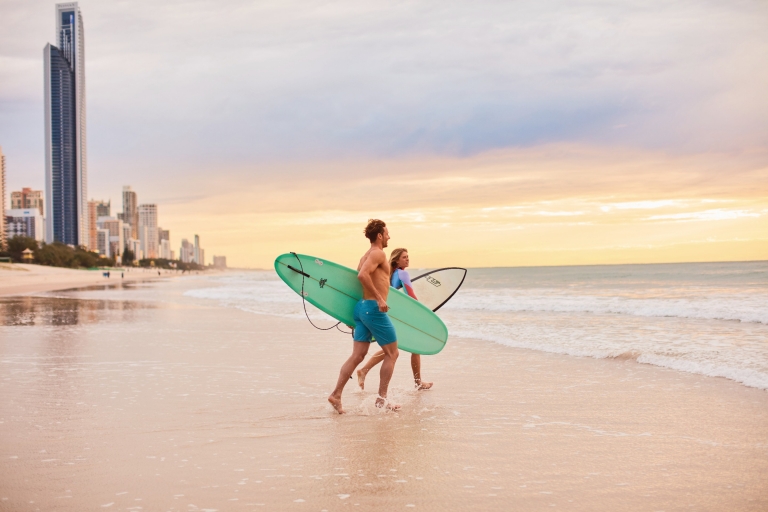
(115, 404)
(31, 311)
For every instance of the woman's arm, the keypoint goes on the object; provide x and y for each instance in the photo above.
(406, 280)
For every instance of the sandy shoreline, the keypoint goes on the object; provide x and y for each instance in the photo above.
(22, 279)
(126, 404)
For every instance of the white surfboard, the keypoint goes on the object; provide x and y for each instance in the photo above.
(436, 287)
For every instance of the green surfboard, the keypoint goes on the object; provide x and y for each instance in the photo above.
(334, 289)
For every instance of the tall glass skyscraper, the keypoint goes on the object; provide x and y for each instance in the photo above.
(65, 156)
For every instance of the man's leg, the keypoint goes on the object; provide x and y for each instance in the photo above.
(387, 368)
(359, 349)
(373, 361)
(416, 367)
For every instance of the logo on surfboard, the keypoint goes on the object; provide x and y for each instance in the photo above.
(434, 282)
(322, 282)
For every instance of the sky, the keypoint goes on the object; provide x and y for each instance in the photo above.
(483, 133)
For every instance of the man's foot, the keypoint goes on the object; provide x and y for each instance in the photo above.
(381, 402)
(361, 377)
(423, 385)
(336, 403)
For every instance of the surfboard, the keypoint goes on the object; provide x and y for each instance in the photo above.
(436, 287)
(334, 289)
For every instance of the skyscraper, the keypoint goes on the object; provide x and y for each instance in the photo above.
(3, 241)
(65, 149)
(26, 199)
(103, 208)
(131, 211)
(96, 210)
(148, 230)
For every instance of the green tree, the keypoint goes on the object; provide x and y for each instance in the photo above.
(128, 256)
(18, 244)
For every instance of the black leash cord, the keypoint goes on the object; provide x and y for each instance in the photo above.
(304, 301)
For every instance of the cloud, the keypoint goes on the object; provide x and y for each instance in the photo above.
(253, 82)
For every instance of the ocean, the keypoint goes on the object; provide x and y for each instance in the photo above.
(704, 318)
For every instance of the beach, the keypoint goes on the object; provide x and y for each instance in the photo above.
(143, 396)
(22, 279)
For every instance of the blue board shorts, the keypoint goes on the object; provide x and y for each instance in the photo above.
(372, 323)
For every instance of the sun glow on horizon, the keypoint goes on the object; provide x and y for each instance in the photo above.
(516, 208)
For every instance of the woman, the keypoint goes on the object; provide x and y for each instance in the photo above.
(399, 278)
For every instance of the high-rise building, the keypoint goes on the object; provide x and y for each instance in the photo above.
(148, 230)
(135, 247)
(66, 174)
(186, 251)
(24, 222)
(220, 262)
(102, 242)
(103, 208)
(199, 252)
(131, 211)
(164, 243)
(116, 233)
(3, 241)
(26, 199)
(127, 233)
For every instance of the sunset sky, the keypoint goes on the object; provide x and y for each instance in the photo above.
(483, 133)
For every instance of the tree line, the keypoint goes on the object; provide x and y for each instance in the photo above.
(58, 254)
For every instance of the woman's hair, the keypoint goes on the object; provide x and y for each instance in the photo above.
(373, 229)
(394, 257)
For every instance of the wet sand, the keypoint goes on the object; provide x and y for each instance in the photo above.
(21, 278)
(176, 405)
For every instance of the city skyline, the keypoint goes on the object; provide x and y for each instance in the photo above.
(543, 133)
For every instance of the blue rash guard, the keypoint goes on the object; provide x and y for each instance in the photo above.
(401, 279)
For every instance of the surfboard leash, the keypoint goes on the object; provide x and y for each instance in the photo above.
(304, 300)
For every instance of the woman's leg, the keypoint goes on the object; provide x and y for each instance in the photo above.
(373, 361)
(416, 367)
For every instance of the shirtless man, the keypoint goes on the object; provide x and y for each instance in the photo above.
(371, 319)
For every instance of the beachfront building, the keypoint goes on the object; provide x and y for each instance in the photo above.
(127, 233)
(187, 251)
(103, 208)
(220, 262)
(116, 242)
(199, 257)
(165, 249)
(96, 210)
(148, 230)
(135, 247)
(3, 241)
(102, 242)
(65, 149)
(24, 222)
(164, 241)
(26, 199)
(131, 211)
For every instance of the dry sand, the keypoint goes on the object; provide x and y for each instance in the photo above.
(125, 405)
(20, 279)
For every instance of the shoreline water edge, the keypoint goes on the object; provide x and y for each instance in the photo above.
(703, 318)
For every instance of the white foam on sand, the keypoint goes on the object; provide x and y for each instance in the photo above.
(717, 331)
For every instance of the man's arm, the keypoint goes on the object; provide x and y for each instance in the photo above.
(370, 265)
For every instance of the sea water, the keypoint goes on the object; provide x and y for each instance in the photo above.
(705, 318)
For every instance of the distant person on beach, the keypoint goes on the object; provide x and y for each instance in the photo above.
(398, 262)
(371, 319)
